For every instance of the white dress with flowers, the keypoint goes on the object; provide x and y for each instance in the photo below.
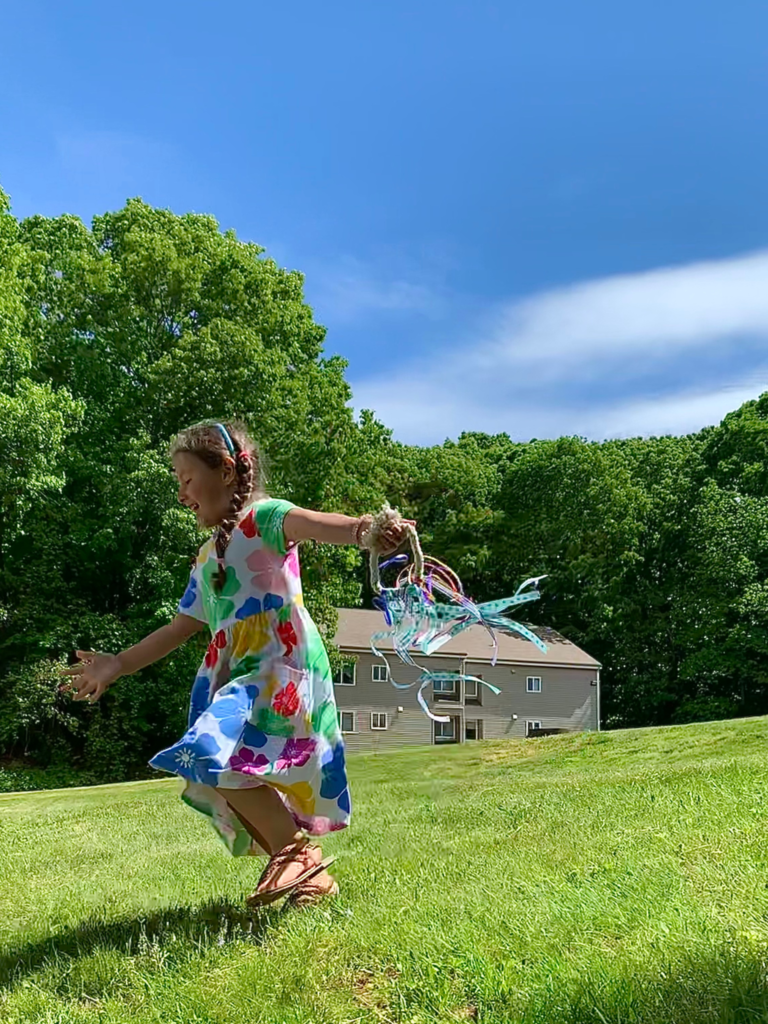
(262, 709)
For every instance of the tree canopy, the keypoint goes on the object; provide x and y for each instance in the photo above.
(115, 336)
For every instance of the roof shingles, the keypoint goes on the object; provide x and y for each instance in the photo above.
(357, 626)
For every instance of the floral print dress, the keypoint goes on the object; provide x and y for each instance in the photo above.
(262, 709)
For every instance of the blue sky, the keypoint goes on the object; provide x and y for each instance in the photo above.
(541, 218)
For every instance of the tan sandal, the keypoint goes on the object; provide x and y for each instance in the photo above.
(300, 851)
(308, 894)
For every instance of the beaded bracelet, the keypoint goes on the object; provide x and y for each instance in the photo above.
(362, 531)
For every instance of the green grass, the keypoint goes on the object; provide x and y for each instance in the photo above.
(620, 877)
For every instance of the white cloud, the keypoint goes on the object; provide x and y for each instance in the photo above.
(352, 289)
(677, 307)
(426, 412)
(425, 408)
(552, 364)
(674, 414)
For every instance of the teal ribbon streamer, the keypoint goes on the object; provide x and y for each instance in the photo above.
(423, 624)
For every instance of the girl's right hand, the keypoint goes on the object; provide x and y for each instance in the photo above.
(394, 535)
(92, 676)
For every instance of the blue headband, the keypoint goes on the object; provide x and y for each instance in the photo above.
(227, 438)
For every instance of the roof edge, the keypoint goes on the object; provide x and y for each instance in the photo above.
(461, 654)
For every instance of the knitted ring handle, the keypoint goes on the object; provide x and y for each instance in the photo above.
(417, 553)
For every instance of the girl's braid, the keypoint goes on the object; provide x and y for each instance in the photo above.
(243, 491)
(206, 442)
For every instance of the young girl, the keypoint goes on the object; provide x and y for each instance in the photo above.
(263, 755)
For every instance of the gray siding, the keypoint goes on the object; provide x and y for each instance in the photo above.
(568, 700)
(409, 726)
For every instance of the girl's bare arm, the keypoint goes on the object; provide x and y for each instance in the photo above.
(326, 527)
(332, 528)
(155, 646)
(94, 673)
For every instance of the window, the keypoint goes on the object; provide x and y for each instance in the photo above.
(346, 674)
(530, 726)
(380, 673)
(473, 729)
(445, 731)
(445, 689)
(347, 721)
(534, 684)
(473, 690)
(378, 720)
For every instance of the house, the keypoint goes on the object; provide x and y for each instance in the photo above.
(559, 690)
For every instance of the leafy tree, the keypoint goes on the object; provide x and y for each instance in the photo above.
(725, 614)
(150, 321)
(114, 336)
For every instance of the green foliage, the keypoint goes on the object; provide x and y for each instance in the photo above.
(32, 717)
(655, 550)
(113, 337)
(20, 777)
(127, 332)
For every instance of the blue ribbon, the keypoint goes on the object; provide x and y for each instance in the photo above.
(227, 439)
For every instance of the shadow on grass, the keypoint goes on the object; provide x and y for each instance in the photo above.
(208, 924)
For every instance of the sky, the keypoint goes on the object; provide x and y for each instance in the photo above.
(538, 218)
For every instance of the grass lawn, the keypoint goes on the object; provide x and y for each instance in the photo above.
(617, 877)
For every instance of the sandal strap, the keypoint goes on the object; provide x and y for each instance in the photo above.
(291, 852)
(312, 888)
(310, 893)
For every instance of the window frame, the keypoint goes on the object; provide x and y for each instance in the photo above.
(452, 695)
(479, 732)
(380, 668)
(532, 679)
(452, 722)
(342, 730)
(380, 715)
(531, 722)
(339, 674)
(475, 699)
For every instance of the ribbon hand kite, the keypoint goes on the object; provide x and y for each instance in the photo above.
(418, 620)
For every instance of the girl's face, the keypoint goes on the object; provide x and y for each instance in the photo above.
(206, 491)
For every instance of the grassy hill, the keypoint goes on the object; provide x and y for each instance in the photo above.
(619, 877)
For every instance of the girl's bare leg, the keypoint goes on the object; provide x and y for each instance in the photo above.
(267, 819)
(264, 815)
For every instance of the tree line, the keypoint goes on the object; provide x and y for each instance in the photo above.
(114, 336)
